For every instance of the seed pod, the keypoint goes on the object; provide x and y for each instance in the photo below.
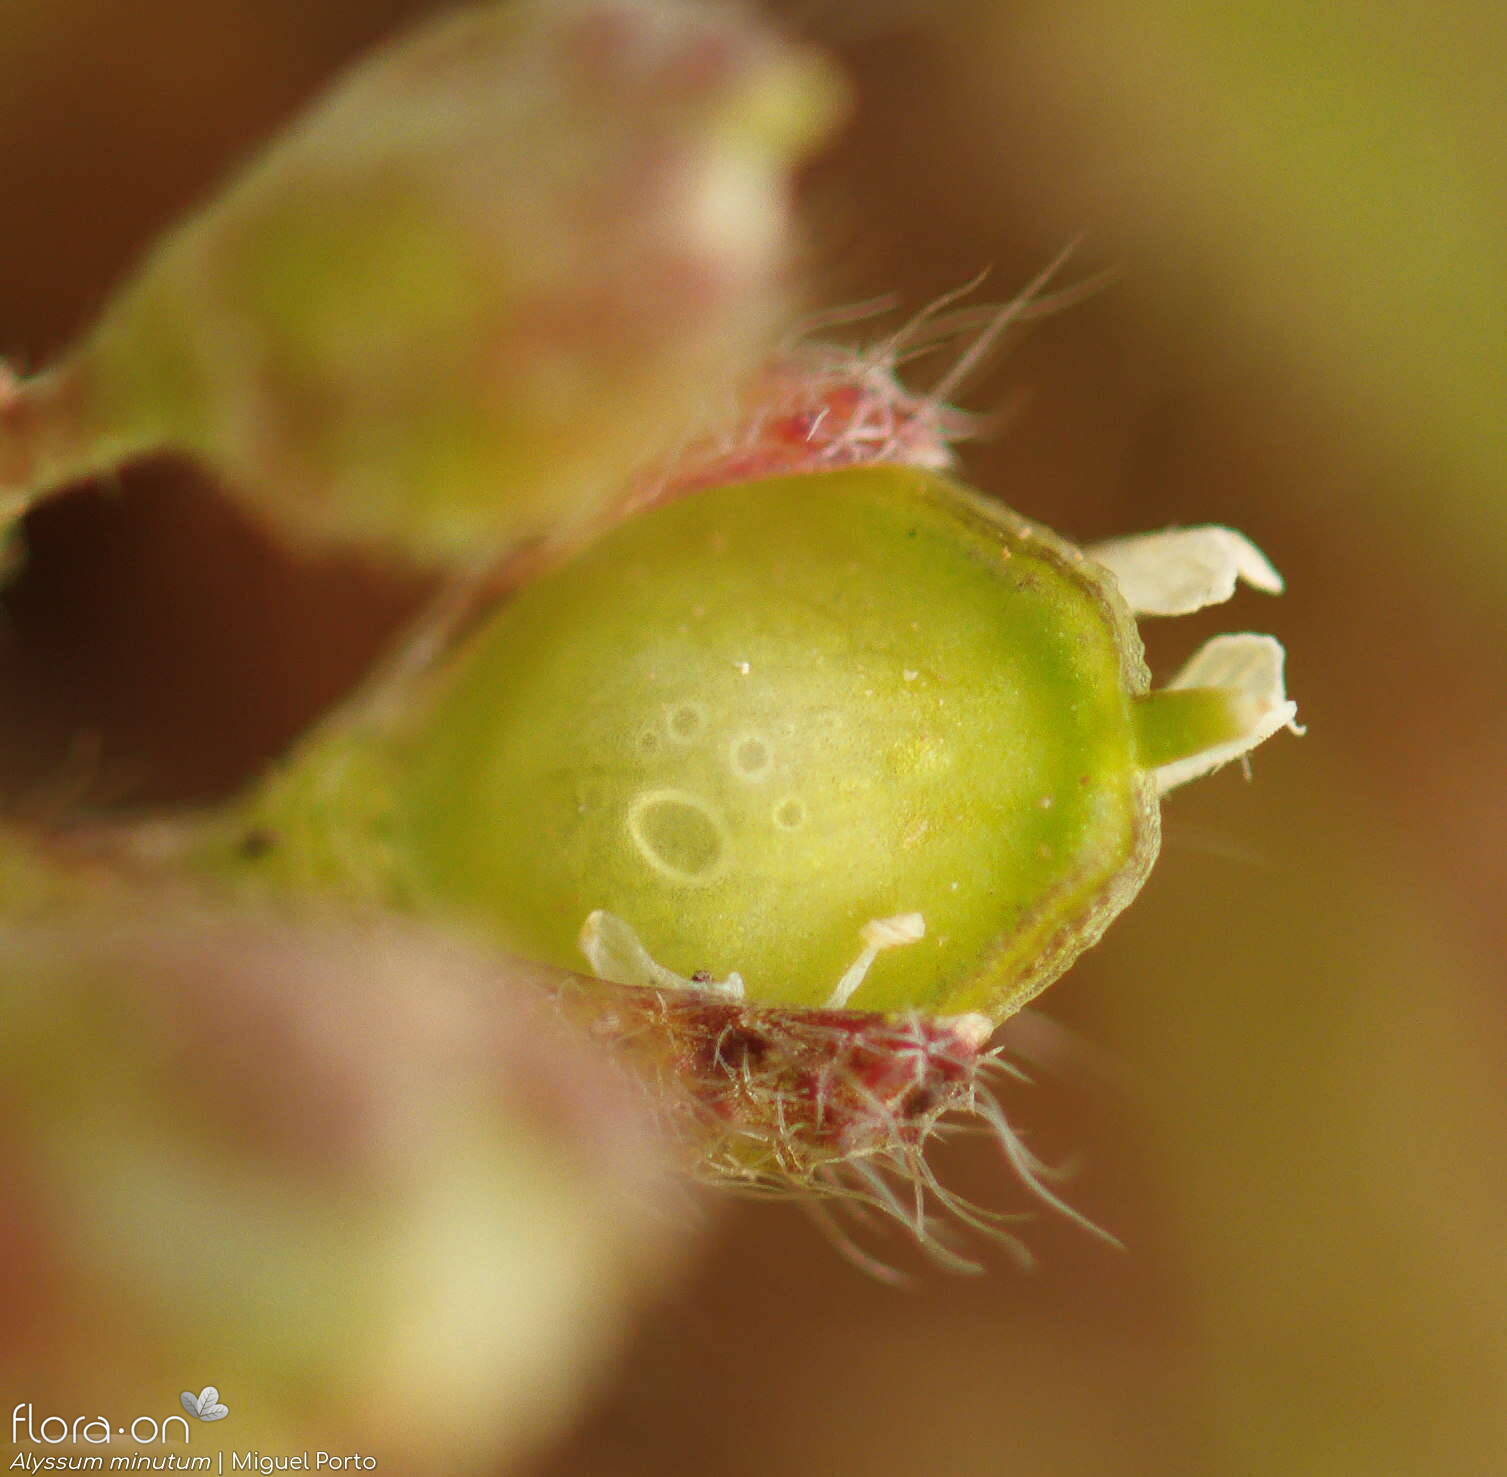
(760, 730)
(500, 264)
(769, 721)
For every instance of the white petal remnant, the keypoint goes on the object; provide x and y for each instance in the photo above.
(1250, 666)
(616, 953)
(877, 935)
(1179, 570)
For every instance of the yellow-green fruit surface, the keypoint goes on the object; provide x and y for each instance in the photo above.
(753, 720)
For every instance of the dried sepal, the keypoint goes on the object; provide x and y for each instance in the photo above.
(1179, 570)
(813, 408)
(821, 406)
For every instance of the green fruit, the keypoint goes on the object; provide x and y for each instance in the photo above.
(505, 258)
(752, 721)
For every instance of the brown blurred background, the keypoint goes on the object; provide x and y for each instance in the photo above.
(1306, 338)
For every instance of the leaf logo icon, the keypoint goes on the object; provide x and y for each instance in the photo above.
(205, 1406)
